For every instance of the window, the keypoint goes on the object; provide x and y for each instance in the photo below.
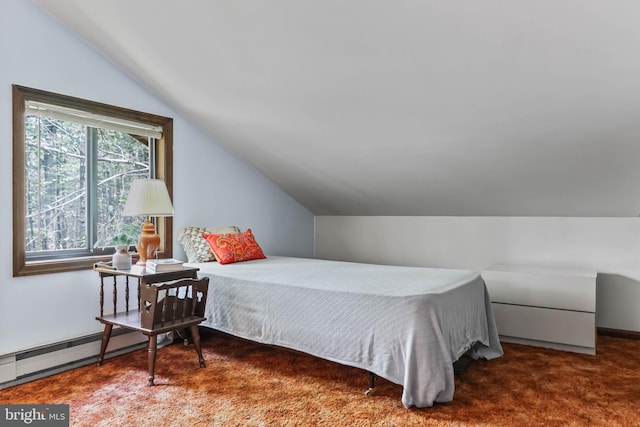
(74, 161)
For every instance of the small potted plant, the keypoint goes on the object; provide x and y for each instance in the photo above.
(121, 259)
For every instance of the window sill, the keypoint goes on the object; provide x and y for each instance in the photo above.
(32, 268)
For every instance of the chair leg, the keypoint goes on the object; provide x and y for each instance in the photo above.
(106, 334)
(153, 344)
(195, 334)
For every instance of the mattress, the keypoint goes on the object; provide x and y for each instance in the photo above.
(406, 324)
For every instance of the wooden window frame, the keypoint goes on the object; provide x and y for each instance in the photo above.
(164, 171)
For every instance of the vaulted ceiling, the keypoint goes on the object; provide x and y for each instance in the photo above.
(400, 107)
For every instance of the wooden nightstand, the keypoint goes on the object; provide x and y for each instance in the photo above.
(166, 301)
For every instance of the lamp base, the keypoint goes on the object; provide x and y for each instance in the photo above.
(148, 243)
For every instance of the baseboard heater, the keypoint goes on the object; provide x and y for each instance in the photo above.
(32, 364)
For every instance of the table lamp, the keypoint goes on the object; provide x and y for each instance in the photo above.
(148, 197)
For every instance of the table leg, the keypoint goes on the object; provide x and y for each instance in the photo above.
(106, 334)
(195, 334)
(153, 344)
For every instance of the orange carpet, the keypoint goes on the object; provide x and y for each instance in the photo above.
(247, 384)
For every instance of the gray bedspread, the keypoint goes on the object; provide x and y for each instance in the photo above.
(405, 324)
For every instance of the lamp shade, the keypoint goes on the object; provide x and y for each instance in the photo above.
(148, 197)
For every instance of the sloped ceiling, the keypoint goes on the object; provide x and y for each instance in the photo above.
(400, 107)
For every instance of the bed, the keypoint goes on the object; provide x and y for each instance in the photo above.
(406, 324)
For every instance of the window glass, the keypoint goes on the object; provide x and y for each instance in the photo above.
(55, 180)
(121, 158)
(59, 166)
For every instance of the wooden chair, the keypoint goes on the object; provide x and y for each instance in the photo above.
(162, 308)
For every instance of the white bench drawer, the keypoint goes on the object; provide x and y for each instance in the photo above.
(549, 289)
(543, 324)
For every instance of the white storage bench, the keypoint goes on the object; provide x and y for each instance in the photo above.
(544, 306)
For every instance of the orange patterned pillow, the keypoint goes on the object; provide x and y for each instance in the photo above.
(229, 248)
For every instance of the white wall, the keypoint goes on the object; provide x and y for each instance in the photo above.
(211, 186)
(610, 246)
